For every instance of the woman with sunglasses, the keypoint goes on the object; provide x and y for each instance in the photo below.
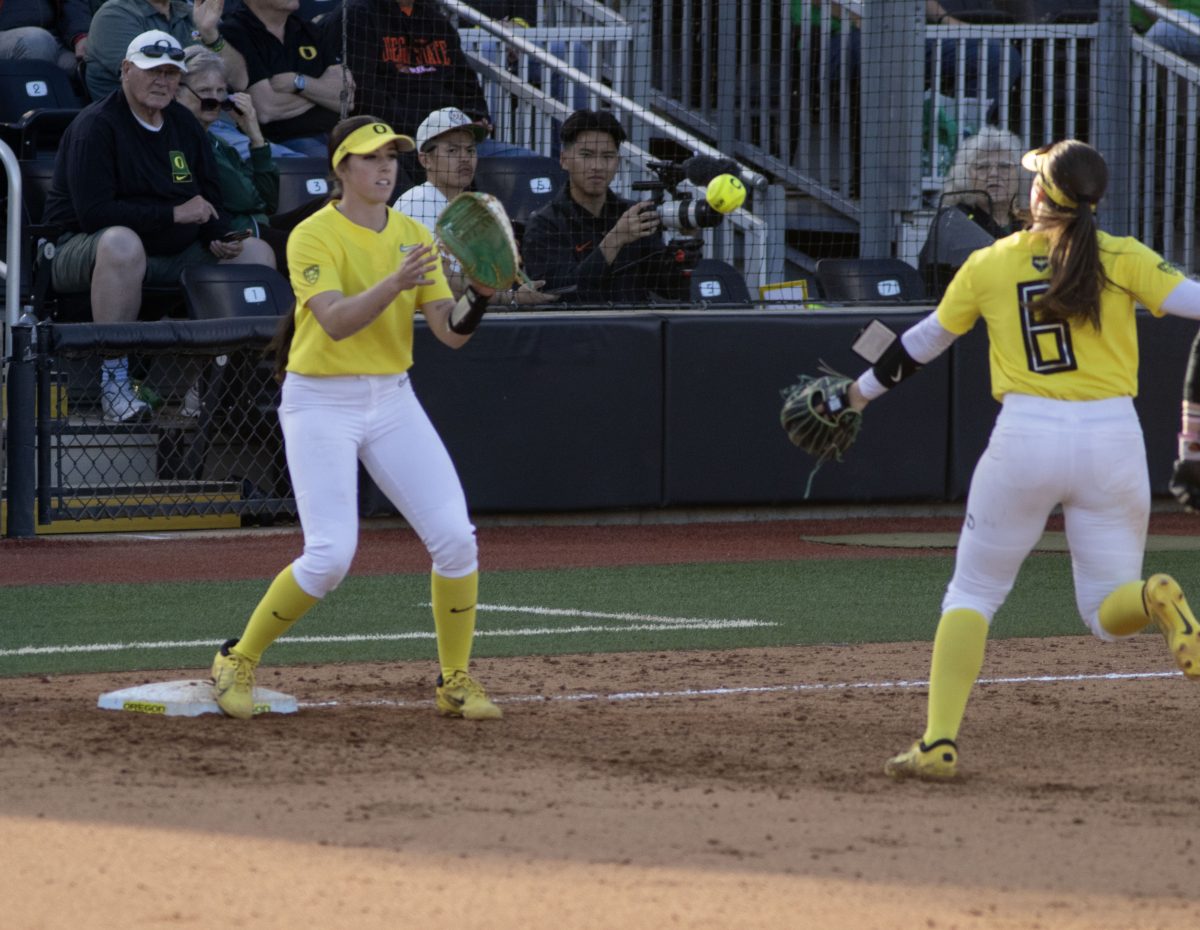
(249, 190)
(1058, 300)
(361, 271)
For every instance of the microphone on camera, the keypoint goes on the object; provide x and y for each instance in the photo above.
(700, 169)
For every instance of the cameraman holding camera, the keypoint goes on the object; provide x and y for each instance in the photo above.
(592, 246)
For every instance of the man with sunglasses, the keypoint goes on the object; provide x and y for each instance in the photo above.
(117, 22)
(135, 190)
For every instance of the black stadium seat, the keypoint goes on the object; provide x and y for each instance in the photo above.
(870, 279)
(29, 84)
(522, 184)
(301, 180)
(214, 292)
(718, 282)
(38, 132)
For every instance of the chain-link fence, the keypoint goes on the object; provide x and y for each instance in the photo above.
(196, 438)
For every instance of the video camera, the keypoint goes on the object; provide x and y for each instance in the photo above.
(683, 212)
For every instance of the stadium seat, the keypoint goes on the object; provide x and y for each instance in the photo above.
(215, 292)
(870, 279)
(37, 132)
(36, 176)
(301, 180)
(718, 282)
(30, 84)
(232, 390)
(522, 184)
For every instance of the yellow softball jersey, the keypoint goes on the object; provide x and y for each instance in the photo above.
(328, 252)
(1065, 361)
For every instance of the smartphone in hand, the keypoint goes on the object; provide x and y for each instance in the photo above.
(236, 235)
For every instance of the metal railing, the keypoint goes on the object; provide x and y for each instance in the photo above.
(1165, 100)
(10, 269)
(528, 113)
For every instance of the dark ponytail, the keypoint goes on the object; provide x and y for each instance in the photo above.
(1077, 277)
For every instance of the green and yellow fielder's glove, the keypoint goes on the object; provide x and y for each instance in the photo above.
(475, 229)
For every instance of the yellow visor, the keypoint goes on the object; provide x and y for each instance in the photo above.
(369, 138)
(1035, 161)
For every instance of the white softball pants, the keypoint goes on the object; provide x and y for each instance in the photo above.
(329, 424)
(1088, 456)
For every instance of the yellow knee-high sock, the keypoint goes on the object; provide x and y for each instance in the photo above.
(958, 650)
(284, 603)
(454, 619)
(1123, 612)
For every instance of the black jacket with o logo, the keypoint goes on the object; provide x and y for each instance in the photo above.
(111, 170)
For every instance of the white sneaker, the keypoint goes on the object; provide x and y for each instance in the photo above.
(191, 401)
(120, 404)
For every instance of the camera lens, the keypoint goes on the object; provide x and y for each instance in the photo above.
(688, 214)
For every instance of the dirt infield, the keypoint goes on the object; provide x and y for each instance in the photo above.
(684, 789)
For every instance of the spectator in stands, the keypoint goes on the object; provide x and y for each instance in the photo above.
(1174, 38)
(1065, 11)
(294, 73)
(983, 185)
(49, 30)
(522, 14)
(938, 12)
(117, 22)
(591, 245)
(446, 142)
(249, 192)
(136, 191)
(408, 61)
(945, 13)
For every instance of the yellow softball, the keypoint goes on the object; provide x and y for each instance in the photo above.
(725, 193)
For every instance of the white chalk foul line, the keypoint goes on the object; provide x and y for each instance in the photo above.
(682, 622)
(797, 688)
(638, 623)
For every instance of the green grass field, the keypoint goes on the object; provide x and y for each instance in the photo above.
(56, 629)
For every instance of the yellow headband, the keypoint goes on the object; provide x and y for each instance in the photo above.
(370, 138)
(1035, 161)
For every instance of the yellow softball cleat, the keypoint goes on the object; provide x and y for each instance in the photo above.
(1168, 608)
(460, 695)
(233, 682)
(936, 762)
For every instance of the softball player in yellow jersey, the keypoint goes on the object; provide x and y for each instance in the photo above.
(360, 270)
(1058, 300)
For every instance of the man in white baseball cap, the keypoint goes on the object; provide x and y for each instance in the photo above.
(446, 141)
(446, 120)
(155, 49)
(137, 195)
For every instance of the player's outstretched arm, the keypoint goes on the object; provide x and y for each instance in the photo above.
(919, 345)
